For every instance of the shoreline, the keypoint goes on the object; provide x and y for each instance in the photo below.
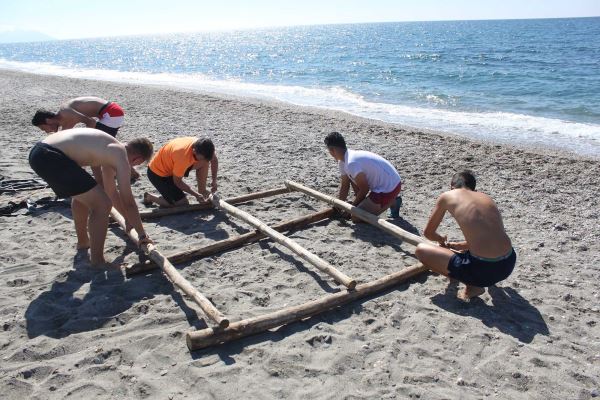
(71, 330)
(522, 145)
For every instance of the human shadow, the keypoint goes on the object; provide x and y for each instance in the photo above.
(205, 223)
(86, 298)
(299, 265)
(510, 312)
(404, 224)
(262, 242)
(226, 351)
(376, 236)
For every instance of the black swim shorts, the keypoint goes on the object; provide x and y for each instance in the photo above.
(166, 187)
(111, 131)
(475, 271)
(61, 173)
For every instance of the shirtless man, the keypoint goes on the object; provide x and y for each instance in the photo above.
(174, 161)
(375, 181)
(486, 256)
(59, 158)
(83, 110)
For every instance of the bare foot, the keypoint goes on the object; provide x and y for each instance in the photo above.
(134, 175)
(83, 245)
(146, 201)
(469, 292)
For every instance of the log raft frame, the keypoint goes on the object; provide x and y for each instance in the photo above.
(224, 331)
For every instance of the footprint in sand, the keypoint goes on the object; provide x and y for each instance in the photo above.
(17, 282)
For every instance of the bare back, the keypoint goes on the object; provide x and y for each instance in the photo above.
(90, 147)
(480, 221)
(89, 105)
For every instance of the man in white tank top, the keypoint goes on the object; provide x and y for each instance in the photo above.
(375, 181)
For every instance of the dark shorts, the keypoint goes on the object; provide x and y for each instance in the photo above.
(477, 272)
(166, 187)
(61, 173)
(111, 131)
(384, 199)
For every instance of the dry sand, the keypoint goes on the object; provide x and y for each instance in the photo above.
(70, 331)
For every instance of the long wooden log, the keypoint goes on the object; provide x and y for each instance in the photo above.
(161, 212)
(287, 242)
(230, 243)
(207, 337)
(173, 274)
(360, 213)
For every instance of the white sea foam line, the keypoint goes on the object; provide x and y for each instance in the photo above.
(500, 126)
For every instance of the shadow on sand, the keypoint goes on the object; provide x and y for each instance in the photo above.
(376, 236)
(226, 351)
(510, 313)
(87, 298)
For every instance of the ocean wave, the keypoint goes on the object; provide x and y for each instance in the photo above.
(499, 126)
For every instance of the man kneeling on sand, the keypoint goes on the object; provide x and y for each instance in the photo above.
(59, 158)
(486, 256)
(174, 161)
(375, 181)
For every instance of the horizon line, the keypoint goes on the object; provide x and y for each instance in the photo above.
(52, 38)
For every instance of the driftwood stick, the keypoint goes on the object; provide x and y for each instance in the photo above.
(161, 212)
(362, 214)
(287, 242)
(207, 337)
(230, 243)
(173, 274)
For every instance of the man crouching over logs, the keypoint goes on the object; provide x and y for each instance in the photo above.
(59, 158)
(174, 161)
(486, 257)
(375, 181)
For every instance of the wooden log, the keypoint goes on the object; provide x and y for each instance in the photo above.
(287, 242)
(161, 212)
(230, 243)
(207, 337)
(173, 275)
(360, 213)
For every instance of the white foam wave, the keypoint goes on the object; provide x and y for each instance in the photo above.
(497, 126)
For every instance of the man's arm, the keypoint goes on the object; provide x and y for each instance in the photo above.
(460, 246)
(437, 214)
(97, 171)
(178, 180)
(201, 178)
(130, 209)
(344, 187)
(72, 117)
(362, 188)
(107, 175)
(214, 169)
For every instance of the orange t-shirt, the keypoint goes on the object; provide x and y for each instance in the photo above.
(174, 158)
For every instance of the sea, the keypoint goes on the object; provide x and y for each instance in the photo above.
(524, 82)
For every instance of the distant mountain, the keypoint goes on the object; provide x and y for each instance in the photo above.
(18, 36)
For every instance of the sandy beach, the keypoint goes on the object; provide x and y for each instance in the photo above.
(72, 331)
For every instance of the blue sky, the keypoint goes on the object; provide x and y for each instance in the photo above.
(65, 19)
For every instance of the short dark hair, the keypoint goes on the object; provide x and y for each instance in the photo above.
(40, 116)
(463, 179)
(335, 139)
(205, 148)
(142, 147)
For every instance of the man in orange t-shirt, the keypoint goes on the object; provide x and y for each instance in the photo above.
(174, 161)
